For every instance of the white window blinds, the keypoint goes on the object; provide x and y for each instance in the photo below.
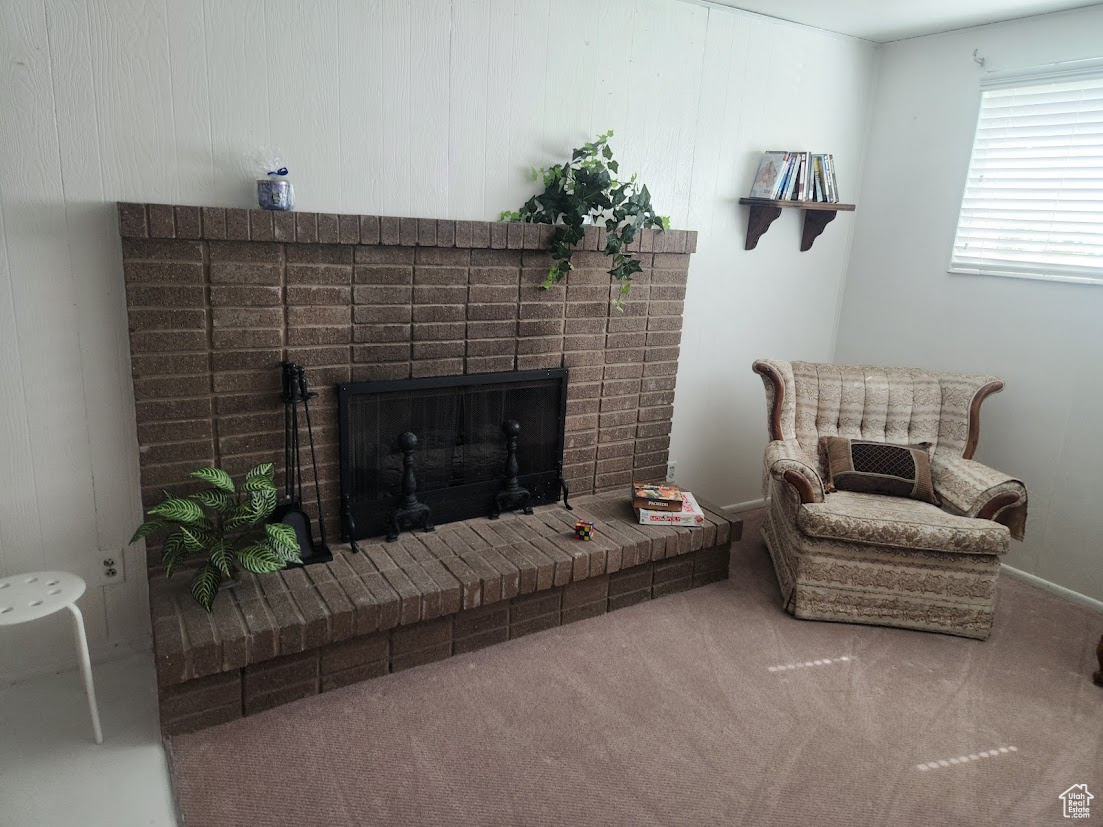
(1033, 203)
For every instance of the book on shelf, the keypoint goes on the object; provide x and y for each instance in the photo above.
(656, 496)
(689, 514)
(796, 176)
(767, 180)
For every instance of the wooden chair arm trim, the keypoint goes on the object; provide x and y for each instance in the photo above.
(974, 417)
(803, 486)
(770, 373)
(991, 508)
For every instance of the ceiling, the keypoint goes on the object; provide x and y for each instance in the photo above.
(885, 20)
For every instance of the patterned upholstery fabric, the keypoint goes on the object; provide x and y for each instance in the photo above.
(966, 486)
(901, 523)
(787, 455)
(866, 558)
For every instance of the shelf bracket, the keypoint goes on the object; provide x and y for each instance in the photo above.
(761, 217)
(814, 222)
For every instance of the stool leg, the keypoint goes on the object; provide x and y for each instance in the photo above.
(86, 670)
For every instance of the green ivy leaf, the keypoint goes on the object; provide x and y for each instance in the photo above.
(587, 186)
(179, 510)
(222, 558)
(147, 528)
(259, 559)
(216, 477)
(204, 585)
(215, 498)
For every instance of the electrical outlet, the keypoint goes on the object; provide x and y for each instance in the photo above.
(111, 569)
(671, 470)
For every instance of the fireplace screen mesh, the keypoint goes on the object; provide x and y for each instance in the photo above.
(461, 451)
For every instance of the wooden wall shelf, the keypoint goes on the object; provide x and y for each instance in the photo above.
(764, 211)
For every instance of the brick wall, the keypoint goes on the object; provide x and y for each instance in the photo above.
(217, 298)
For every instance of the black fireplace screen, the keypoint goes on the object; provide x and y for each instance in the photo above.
(461, 451)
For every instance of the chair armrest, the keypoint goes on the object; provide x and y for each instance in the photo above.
(786, 460)
(972, 489)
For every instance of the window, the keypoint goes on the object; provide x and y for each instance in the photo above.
(1033, 202)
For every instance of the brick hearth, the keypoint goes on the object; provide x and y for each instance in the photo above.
(279, 637)
(218, 297)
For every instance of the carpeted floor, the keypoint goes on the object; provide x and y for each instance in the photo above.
(708, 707)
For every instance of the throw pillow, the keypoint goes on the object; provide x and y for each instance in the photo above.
(878, 468)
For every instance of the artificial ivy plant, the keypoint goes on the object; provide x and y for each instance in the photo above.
(587, 186)
(227, 525)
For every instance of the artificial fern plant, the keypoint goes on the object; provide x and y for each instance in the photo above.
(222, 523)
(587, 187)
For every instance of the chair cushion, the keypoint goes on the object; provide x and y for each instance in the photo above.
(900, 523)
(878, 468)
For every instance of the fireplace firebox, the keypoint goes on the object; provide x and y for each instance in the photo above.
(461, 447)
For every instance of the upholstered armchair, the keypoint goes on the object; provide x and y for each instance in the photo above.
(885, 560)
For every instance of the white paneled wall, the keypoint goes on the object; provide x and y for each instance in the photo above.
(399, 107)
(1043, 339)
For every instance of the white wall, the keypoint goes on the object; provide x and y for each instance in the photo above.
(398, 107)
(1044, 339)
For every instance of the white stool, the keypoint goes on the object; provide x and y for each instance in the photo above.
(27, 597)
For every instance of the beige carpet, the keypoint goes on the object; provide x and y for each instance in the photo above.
(678, 712)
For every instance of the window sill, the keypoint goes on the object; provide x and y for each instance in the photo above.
(1058, 277)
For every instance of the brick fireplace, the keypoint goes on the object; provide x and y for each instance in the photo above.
(217, 298)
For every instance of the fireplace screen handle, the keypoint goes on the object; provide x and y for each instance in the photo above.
(563, 486)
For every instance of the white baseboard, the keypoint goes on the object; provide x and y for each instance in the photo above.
(749, 505)
(1053, 588)
(101, 654)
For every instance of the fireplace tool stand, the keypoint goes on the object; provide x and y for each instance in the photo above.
(512, 496)
(290, 510)
(410, 513)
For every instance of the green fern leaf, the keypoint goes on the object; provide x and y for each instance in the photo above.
(283, 553)
(241, 516)
(259, 559)
(195, 539)
(216, 477)
(260, 478)
(179, 510)
(281, 535)
(204, 586)
(222, 557)
(145, 529)
(264, 503)
(215, 498)
(172, 552)
(258, 507)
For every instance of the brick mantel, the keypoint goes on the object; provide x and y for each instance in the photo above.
(218, 297)
(234, 224)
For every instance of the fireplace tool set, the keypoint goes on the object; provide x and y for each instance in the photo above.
(290, 507)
